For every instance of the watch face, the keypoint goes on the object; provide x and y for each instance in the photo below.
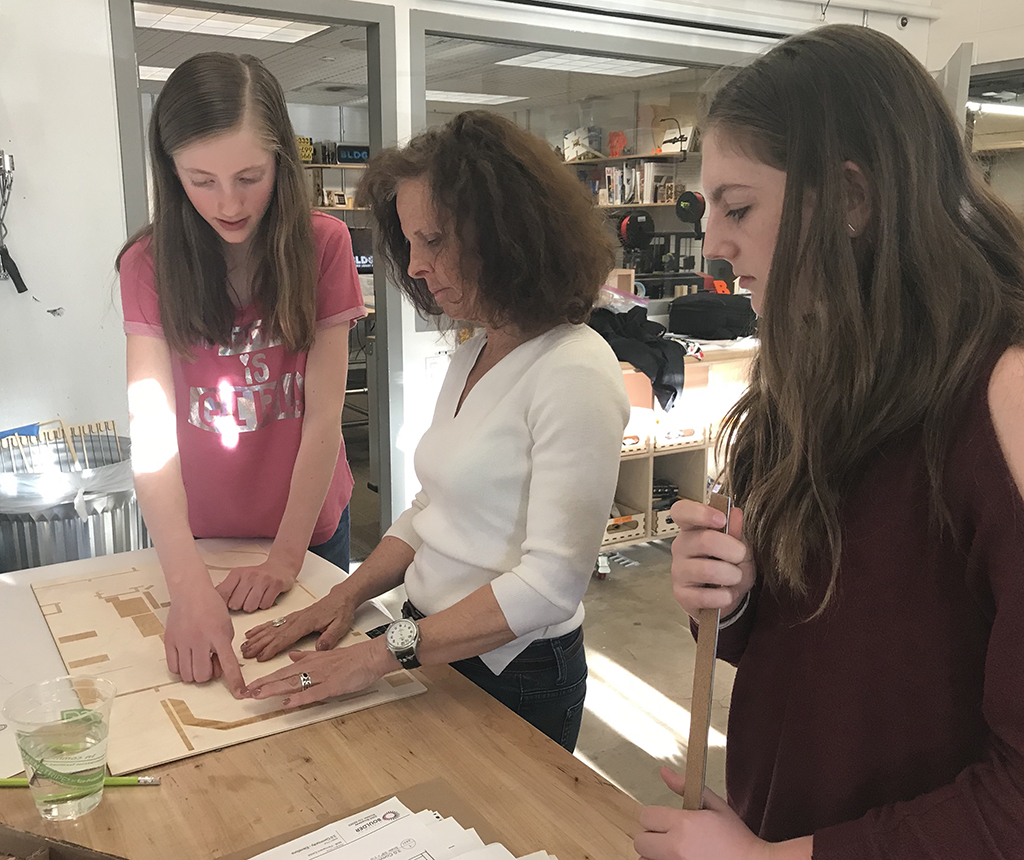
(402, 634)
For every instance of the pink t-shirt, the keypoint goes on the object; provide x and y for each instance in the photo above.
(240, 406)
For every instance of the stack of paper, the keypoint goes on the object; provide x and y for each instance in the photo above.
(391, 831)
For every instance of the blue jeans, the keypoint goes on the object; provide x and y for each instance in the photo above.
(336, 548)
(545, 684)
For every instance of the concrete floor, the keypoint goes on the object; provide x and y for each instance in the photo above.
(640, 655)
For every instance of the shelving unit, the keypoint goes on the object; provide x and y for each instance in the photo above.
(635, 166)
(711, 387)
(359, 165)
(317, 190)
(633, 205)
(660, 156)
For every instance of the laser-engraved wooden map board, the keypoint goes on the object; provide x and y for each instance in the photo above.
(112, 625)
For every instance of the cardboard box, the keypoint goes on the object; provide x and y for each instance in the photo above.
(629, 526)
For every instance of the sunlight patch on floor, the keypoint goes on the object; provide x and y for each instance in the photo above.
(638, 712)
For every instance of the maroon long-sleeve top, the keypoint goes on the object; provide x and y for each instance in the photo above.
(892, 727)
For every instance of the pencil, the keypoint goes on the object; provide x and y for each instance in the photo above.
(22, 782)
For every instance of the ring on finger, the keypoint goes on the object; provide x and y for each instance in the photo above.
(305, 681)
(277, 622)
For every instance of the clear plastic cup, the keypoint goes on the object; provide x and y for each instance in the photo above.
(61, 728)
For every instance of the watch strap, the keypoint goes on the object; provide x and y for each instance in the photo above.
(408, 659)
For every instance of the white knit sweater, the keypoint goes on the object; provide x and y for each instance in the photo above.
(517, 488)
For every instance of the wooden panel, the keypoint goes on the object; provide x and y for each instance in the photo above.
(156, 717)
(78, 637)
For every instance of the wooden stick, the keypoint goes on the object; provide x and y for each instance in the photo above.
(703, 689)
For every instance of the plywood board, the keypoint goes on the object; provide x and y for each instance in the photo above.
(111, 624)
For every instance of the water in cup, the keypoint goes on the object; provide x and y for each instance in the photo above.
(61, 728)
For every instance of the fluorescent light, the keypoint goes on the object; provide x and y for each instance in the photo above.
(993, 108)
(154, 73)
(156, 16)
(470, 98)
(588, 65)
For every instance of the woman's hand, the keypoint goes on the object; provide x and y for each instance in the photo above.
(710, 570)
(336, 673)
(712, 833)
(197, 640)
(331, 615)
(256, 587)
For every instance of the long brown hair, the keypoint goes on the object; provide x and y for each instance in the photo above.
(211, 94)
(867, 340)
(527, 231)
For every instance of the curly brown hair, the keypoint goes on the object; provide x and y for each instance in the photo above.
(529, 234)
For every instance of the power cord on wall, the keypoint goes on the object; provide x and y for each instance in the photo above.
(8, 268)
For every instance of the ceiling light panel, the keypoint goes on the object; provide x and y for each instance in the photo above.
(470, 98)
(995, 108)
(588, 65)
(154, 73)
(158, 17)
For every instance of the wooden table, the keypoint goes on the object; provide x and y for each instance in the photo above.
(534, 793)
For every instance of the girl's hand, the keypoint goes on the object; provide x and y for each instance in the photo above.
(256, 587)
(197, 640)
(712, 833)
(331, 615)
(336, 673)
(703, 556)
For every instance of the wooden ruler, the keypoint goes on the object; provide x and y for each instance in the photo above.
(703, 688)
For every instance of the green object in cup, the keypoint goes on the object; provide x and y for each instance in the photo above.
(61, 728)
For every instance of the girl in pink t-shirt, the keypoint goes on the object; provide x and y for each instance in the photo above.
(237, 306)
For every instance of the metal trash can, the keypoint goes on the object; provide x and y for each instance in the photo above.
(67, 497)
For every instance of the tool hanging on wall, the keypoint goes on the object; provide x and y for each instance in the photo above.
(8, 268)
(679, 138)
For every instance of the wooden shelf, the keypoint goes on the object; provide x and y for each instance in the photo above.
(342, 208)
(359, 166)
(632, 205)
(607, 159)
(713, 384)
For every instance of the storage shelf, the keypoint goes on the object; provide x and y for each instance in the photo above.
(636, 455)
(358, 166)
(607, 159)
(632, 205)
(699, 445)
(688, 463)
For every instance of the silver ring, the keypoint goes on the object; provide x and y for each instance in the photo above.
(305, 680)
(277, 622)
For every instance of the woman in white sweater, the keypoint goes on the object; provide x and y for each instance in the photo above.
(482, 222)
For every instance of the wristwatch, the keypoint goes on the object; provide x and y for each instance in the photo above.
(402, 639)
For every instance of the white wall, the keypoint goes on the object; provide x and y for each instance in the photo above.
(320, 122)
(995, 26)
(1007, 177)
(66, 215)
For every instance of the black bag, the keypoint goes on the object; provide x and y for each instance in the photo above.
(711, 316)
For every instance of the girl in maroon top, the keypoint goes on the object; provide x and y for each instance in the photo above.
(237, 307)
(872, 579)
